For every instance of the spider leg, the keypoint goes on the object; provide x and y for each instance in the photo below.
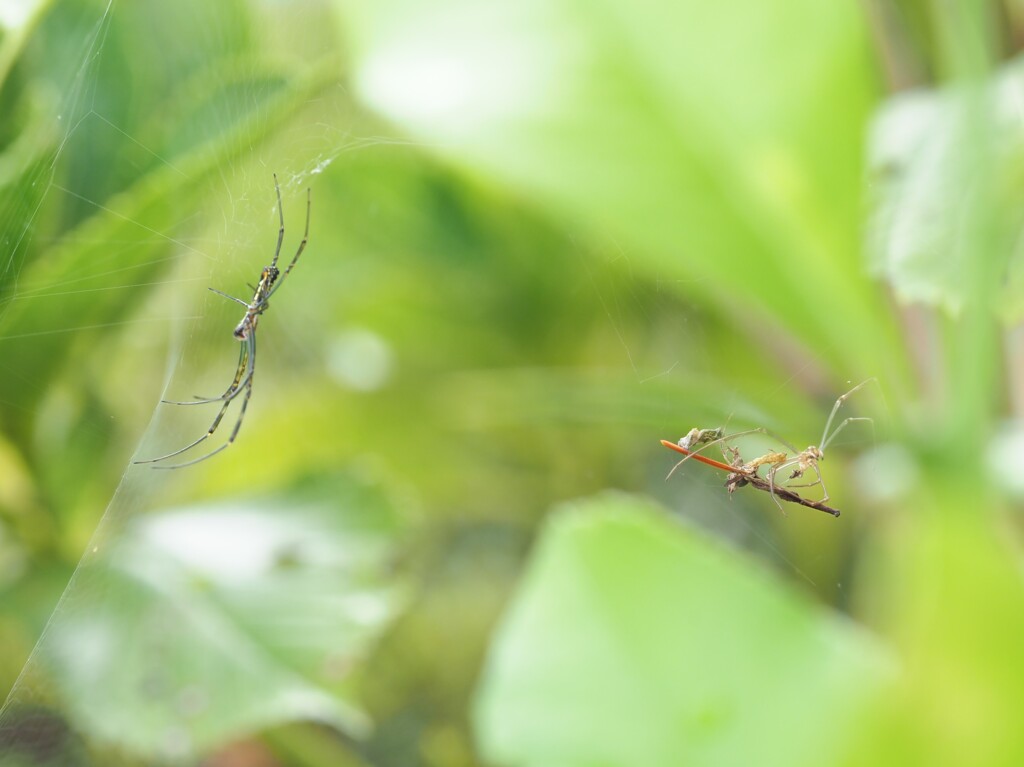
(241, 413)
(244, 374)
(818, 481)
(234, 431)
(188, 446)
(236, 384)
(225, 445)
(302, 247)
(824, 490)
(280, 232)
(194, 460)
(771, 481)
(232, 391)
(825, 438)
(839, 428)
(795, 461)
(236, 300)
(733, 458)
(209, 433)
(305, 236)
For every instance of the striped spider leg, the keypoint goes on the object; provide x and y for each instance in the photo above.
(271, 279)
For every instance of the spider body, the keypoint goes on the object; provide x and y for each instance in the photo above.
(806, 461)
(253, 310)
(271, 278)
(770, 459)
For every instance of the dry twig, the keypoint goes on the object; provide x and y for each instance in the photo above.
(738, 479)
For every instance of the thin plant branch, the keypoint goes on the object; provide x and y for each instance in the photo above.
(738, 479)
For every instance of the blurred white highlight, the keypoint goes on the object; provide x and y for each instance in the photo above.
(480, 65)
(14, 13)
(886, 473)
(1005, 457)
(359, 359)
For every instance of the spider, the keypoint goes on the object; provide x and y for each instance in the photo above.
(801, 462)
(271, 278)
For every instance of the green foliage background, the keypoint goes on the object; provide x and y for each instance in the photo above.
(544, 236)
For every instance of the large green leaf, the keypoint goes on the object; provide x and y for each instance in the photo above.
(713, 145)
(638, 641)
(195, 626)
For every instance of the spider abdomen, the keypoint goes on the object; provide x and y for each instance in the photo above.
(267, 279)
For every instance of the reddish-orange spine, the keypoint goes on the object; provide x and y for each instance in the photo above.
(699, 457)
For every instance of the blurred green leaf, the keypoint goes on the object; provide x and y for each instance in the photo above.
(948, 593)
(199, 625)
(700, 137)
(926, 179)
(637, 641)
(16, 24)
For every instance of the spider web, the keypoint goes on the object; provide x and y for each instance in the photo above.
(121, 205)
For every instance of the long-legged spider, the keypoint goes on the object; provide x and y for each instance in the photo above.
(270, 281)
(802, 460)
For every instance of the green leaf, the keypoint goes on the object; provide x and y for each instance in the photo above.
(638, 641)
(939, 161)
(198, 625)
(711, 147)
